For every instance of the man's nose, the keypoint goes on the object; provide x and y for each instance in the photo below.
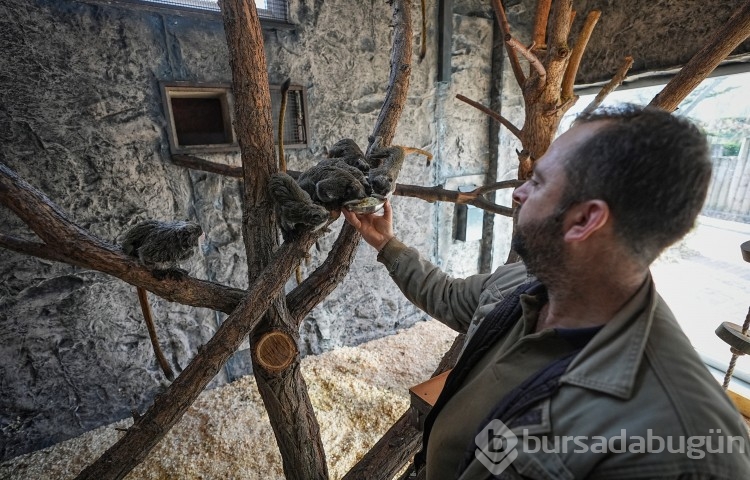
(519, 194)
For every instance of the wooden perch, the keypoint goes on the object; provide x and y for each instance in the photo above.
(170, 406)
(502, 20)
(475, 197)
(540, 23)
(577, 53)
(610, 87)
(716, 49)
(533, 60)
(197, 163)
(503, 121)
(64, 241)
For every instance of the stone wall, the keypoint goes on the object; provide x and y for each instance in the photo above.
(81, 119)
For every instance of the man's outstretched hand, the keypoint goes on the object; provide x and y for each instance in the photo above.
(375, 229)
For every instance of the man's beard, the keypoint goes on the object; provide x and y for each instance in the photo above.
(540, 245)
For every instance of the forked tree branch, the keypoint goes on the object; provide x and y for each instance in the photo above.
(503, 121)
(577, 53)
(475, 197)
(540, 23)
(67, 242)
(610, 87)
(529, 55)
(502, 20)
(718, 47)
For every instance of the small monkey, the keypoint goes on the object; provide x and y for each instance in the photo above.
(331, 185)
(386, 163)
(293, 205)
(160, 246)
(347, 150)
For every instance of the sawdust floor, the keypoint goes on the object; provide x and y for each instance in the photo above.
(357, 393)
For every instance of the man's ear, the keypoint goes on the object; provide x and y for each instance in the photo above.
(584, 219)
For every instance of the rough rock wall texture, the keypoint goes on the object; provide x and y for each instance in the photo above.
(81, 119)
(659, 34)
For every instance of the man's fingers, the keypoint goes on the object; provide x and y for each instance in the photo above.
(351, 217)
(387, 212)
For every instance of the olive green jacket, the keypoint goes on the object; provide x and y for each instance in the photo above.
(639, 374)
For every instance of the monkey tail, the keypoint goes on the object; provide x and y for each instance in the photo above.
(282, 114)
(146, 309)
(423, 45)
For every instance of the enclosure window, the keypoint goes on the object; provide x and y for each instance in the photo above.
(703, 278)
(267, 9)
(200, 117)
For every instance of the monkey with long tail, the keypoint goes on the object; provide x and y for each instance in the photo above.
(160, 246)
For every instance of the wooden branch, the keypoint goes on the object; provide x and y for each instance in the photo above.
(439, 194)
(34, 249)
(148, 317)
(329, 274)
(540, 23)
(502, 20)
(319, 284)
(577, 53)
(562, 12)
(503, 121)
(197, 163)
(716, 49)
(610, 87)
(76, 246)
(170, 406)
(402, 441)
(533, 60)
(400, 74)
(485, 189)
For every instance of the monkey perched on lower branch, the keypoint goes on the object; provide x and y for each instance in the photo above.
(160, 246)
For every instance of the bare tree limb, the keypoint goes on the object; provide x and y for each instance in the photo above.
(197, 163)
(577, 53)
(502, 20)
(169, 407)
(328, 275)
(34, 249)
(503, 121)
(400, 74)
(528, 55)
(610, 87)
(540, 23)
(76, 246)
(439, 194)
(716, 49)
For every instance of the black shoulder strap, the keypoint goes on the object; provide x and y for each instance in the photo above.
(494, 326)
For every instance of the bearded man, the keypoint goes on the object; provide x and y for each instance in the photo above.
(573, 365)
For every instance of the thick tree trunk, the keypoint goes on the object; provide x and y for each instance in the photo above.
(283, 390)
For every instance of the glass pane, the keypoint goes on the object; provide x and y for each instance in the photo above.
(703, 277)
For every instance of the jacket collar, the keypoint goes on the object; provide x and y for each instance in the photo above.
(610, 361)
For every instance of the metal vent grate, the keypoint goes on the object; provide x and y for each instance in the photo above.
(270, 9)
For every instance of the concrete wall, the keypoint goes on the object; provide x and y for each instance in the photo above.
(81, 119)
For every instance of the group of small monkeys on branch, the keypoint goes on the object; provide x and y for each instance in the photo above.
(346, 175)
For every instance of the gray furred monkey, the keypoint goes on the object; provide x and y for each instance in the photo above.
(385, 164)
(331, 186)
(359, 174)
(162, 245)
(293, 205)
(347, 150)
